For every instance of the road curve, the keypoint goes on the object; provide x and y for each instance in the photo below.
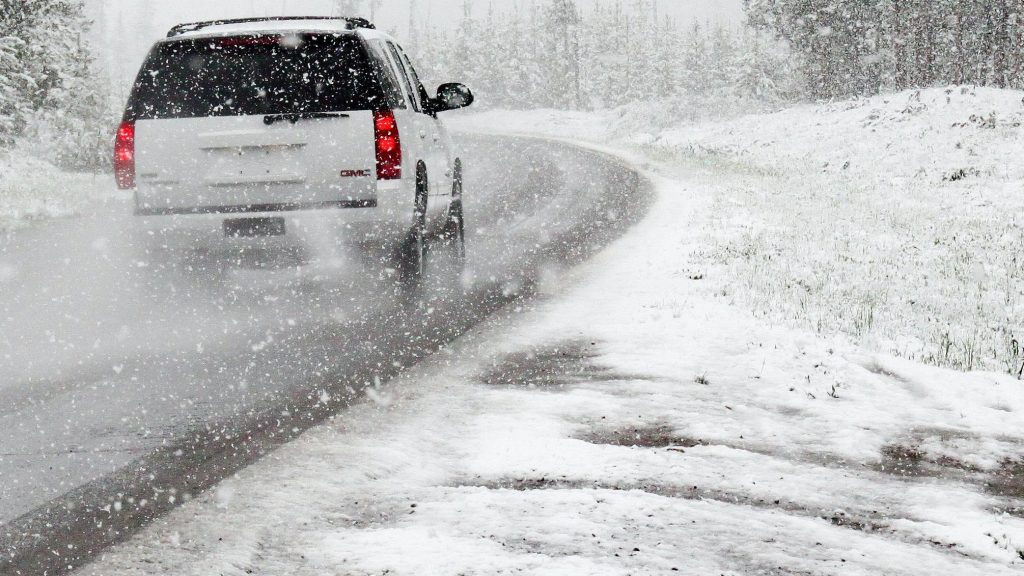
(125, 390)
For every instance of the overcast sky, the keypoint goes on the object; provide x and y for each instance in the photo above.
(126, 28)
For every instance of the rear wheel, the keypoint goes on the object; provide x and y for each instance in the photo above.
(413, 256)
(455, 227)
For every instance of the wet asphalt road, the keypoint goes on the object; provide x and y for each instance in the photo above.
(125, 390)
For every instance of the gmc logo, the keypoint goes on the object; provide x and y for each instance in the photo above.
(355, 174)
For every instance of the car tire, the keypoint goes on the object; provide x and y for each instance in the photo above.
(412, 263)
(455, 226)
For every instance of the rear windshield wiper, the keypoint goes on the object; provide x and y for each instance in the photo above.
(294, 117)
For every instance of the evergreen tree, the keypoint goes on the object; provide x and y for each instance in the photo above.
(694, 68)
(864, 46)
(14, 103)
(561, 40)
(755, 73)
(723, 58)
(48, 91)
(349, 8)
(550, 54)
(645, 70)
(667, 62)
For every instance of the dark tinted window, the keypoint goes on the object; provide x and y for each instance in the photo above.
(256, 75)
(386, 73)
(413, 94)
(414, 77)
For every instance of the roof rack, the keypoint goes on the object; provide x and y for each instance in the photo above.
(351, 23)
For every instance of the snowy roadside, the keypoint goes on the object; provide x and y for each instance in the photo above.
(631, 421)
(32, 189)
(902, 220)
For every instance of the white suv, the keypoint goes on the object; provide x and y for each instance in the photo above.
(290, 131)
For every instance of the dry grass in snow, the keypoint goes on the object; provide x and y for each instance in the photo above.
(896, 220)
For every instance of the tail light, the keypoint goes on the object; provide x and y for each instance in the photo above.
(124, 156)
(389, 145)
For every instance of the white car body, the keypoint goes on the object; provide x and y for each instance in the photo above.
(195, 175)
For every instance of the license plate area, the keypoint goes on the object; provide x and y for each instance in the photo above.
(254, 227)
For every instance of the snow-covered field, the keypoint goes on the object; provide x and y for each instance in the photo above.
(638, 419)
(32, 189)
(897, 221)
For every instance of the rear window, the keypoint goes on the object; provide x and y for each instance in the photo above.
(255, 75)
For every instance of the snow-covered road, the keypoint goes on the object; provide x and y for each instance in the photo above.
(124, 391)
(630, 421)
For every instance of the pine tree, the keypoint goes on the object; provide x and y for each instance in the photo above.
(561, 38)
(375, 5)
(49, 92)
(695, 73)
(510, 57)
(605, 39)
(645, 70)
(755, 73)
(549, 54)
(349, 8)
(18, 77)
(723, 59)
(863, 46)
(14, 105)
(667, 61)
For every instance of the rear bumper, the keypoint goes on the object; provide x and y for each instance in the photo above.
(313, 227)
(255, 209)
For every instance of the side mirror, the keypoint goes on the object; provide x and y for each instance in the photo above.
(452, 97)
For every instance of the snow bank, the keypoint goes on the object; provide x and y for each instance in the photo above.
(32, 189)
(936, 135)
(894, 220)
